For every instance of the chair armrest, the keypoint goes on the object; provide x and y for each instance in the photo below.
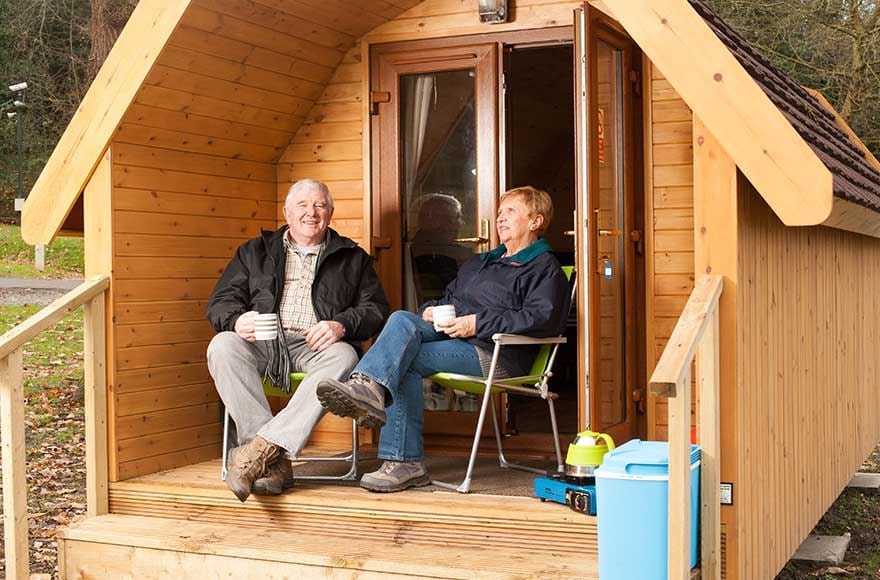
(505, 339)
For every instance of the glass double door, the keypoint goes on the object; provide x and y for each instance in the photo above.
(446, 137)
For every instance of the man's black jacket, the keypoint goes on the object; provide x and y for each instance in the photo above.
(346, 288)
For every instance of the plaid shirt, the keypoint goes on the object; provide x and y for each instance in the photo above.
(296, 310)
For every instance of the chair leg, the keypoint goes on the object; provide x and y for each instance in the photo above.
(225, 444)
(350, 475)
(560, 466)
(465, 485)
(502, 461)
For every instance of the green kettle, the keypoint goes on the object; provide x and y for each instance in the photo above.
(586, 452)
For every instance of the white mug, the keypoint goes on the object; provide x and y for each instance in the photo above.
(443, 313)
(266, 326)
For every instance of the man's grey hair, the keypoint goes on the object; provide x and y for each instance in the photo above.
(306, 184)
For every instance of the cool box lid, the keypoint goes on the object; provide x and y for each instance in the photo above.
(641, 459)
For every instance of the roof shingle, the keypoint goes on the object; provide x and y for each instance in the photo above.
(854, 179)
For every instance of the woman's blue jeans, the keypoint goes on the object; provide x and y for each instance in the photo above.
(408, 348)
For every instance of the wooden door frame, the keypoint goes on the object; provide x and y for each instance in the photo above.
(598, 26)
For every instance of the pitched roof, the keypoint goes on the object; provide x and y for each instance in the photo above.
(855, 179)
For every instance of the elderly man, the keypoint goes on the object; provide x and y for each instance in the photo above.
(328, 298)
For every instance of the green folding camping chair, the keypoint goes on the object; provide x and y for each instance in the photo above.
(272, 391)
(535, 384)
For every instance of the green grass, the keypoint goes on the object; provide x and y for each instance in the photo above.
(52, 357)
(64, 256)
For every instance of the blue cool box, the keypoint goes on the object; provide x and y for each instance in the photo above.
(632, 486)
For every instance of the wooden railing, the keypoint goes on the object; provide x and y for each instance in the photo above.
(696, 332)
(90, 295)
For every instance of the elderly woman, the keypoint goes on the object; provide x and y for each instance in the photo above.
(517, 288)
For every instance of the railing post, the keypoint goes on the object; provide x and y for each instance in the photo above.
(679, 548)
(94, 336)
(710, 448)
(15, 518)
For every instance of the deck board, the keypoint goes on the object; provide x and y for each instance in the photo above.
(156, 547)
(521, 527)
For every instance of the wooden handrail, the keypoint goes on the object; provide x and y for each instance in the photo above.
(90, 295)
(682, 345)
(16, 337)
(697, 332)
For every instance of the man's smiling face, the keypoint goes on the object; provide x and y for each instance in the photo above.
(308, 214)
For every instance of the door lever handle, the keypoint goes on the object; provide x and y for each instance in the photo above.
(608, 233)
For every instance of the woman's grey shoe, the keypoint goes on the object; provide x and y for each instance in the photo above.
(359, 397)
(396, 476)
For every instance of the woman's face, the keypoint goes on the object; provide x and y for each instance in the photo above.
(514, 224)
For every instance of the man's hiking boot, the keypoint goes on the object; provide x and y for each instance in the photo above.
(278, 478)
(359, 397)
(396, 476)
(247, 463)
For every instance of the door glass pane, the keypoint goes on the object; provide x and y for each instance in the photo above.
(612, 239)
(438, 180)
(438, 169)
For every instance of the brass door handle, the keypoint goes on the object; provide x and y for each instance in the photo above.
(482, 239)
(608, 233)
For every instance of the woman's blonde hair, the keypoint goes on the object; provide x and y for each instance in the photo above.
(537, 201)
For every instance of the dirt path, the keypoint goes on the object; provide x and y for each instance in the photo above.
(22, 291)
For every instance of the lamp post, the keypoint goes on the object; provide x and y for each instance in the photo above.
(18, 91)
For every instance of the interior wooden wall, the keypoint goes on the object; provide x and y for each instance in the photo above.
(808, 350)
(669, 223)
(194, 175)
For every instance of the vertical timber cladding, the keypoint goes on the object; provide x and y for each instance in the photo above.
(670, 224)
(807, 334)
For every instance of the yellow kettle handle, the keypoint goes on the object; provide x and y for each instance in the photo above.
(603, 436)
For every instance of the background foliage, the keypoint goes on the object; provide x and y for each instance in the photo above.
(58, 45)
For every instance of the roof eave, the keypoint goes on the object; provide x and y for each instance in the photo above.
(767, 149)
(83, 143)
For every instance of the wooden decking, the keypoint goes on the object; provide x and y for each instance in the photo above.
(186, 521)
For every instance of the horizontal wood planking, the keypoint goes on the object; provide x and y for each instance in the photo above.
(184, 204)
(178, 140)
(155, 421)
(161, 311)
(173, 179)
(155, 463)
(153, 445)
(198, 107)
(129, 335)
(808, 347)
(217, 126)
(329, 147)
(671, 200)
(126, 154)
(161, 378)
(168, 398)
(437, 18)
(186, 59)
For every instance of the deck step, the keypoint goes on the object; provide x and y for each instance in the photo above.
(119, 546)
(414, 517)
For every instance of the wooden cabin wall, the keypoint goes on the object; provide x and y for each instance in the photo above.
(194, 176)
(669, 222)
(808, 342)
(329, 147)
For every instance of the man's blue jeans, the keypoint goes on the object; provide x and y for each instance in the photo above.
(408, 348)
